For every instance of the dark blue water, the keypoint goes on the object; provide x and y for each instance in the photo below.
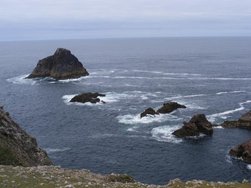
(209, 75)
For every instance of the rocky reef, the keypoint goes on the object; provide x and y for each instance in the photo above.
(61, 65)
(165, 109)
(242, 151)
(17, 147)
(243, 122)
(196, 126)
(88, 97)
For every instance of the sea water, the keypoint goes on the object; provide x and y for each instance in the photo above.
(208, 75)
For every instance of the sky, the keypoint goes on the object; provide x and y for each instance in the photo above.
(76, 19)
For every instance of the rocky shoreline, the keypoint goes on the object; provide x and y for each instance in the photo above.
(17, 147)
(53, 176)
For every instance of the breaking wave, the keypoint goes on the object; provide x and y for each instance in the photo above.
(22, 80)
(135, 119)
(164, 134)
(225, 114)
(229, 92)
(56, 150)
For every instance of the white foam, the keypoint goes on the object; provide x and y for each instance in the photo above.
(185, 96)
(225, 114)
(115, 97)
(72, 80)
(218, 127)
(167, 73)
(164, 134)
(228, 159)
(55, 150)
(22, 80)
(229, 92)
(135, 119)
(249, 167)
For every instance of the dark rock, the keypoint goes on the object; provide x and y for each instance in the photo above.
(148, 111)
(61, 65)
(198, 124)
(243, 122)
(169, 107)
(242, 151)
(88, 97)
(17, 147)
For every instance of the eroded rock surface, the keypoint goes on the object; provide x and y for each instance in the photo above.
(196, 126)
(242, 151)
(17, 147)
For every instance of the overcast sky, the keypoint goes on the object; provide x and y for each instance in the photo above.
(69, 19)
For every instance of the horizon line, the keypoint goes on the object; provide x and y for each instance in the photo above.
(119, 38)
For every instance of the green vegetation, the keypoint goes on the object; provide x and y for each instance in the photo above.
(7, 157)
(51, 176)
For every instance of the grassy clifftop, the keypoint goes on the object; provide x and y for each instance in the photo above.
(51, 176)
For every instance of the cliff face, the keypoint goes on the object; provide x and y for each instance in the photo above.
(17, 147)
(61, 65)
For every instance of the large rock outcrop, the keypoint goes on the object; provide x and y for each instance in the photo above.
(242, 151)
(17, 147)
(88, 97)
(243, 122)
(197, 125)
(61, 65)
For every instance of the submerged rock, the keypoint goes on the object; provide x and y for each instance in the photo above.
(148, 111)
(61, 65)
(17, 147)
(242, 151)
(169, 107)
(88, 97)
(243, 122)
(198, 124)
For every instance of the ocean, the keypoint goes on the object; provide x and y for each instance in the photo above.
(208, 75)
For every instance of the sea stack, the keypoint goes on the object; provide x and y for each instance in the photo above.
(18, 148)
(61, 65)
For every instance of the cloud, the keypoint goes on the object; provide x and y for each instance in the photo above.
(76, 16)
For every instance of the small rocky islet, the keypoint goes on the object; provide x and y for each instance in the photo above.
(196, 126)
(165, 109)
(61, 65)
(88, 97)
